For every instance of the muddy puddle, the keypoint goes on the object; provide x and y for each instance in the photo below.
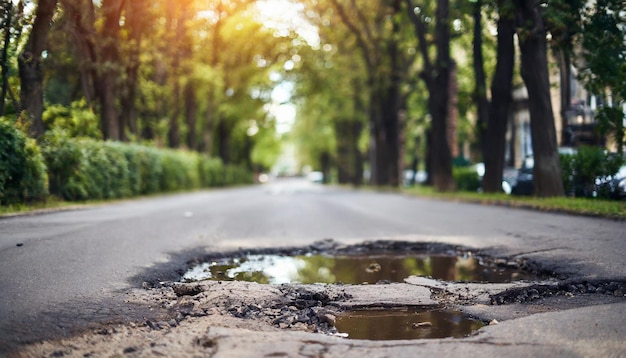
(354, 269)
(405, 324)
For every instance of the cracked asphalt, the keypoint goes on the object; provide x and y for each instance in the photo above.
(98, 281)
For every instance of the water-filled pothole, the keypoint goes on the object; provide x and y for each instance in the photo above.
(405, 324)
(353, 269)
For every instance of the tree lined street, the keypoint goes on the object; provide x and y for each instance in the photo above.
(64, 270)
(227, 118)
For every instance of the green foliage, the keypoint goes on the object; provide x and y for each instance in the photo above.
(604, 72)
(22, 170)
(78, 120)
(588, 165)
(466, 178)
(236, 174)
(266, 149)
(211, 170)
(611, 122)
(577, 206)
(85, 169)
(180, 170)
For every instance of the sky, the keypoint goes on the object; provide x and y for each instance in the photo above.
(283, 15)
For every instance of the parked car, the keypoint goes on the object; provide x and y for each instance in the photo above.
(316, 177)
(509, 176)
(605, 186)
(614, 186)
(523, 182)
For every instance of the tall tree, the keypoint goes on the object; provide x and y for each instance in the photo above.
(11, 32)
(499, 109)
(532, 33)
(31, 67)
(109, 69)
(137, 20)
(436, 75)
(377, 32)
(604, 71)
(563, 19)
(80, 16)
(480, 90)
(331, 92)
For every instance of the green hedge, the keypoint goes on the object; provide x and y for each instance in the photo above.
(466, 178)
(83, 169)
(23, 176)
(581, 170)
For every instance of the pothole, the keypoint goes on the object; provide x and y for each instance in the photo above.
(356, 269)
(395, 324)
(366, 288)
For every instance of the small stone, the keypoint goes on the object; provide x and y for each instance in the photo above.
(328, 318)
(618, 293)
(172, 323)
(197, 312)
(153, 325)
(130, 350)
(19, 244)
(373, 267)
(187, 290)
(493, 322)
(205, 342)
(421, 325)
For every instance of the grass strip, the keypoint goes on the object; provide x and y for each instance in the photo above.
(580, 206)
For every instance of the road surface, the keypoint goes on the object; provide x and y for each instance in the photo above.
(62, 270)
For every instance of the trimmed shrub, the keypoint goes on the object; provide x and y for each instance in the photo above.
(590, 166)
(234, 174)
(23, 175)
(83, 168)
(211, 172)
(180, 170)
(65, 159)
(466, 178)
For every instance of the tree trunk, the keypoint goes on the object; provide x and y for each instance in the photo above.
(501, 100)
(436, 75)
(441, 160)
(173, 134)
(83, 33)
(31, 67)
(547, 179)
(565, 73)
(223, 141)
(438, 102)
(357, 179)
(480, 90)
(191, 116)
(453, 111)
(378, 166)
(5, 54)
(387, 170)
(112, 125)
(135, 25)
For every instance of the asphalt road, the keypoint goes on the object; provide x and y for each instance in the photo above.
(64, 269)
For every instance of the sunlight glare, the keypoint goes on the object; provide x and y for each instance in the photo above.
(285, 16)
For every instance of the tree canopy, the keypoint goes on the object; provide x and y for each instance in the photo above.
(374, 84)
